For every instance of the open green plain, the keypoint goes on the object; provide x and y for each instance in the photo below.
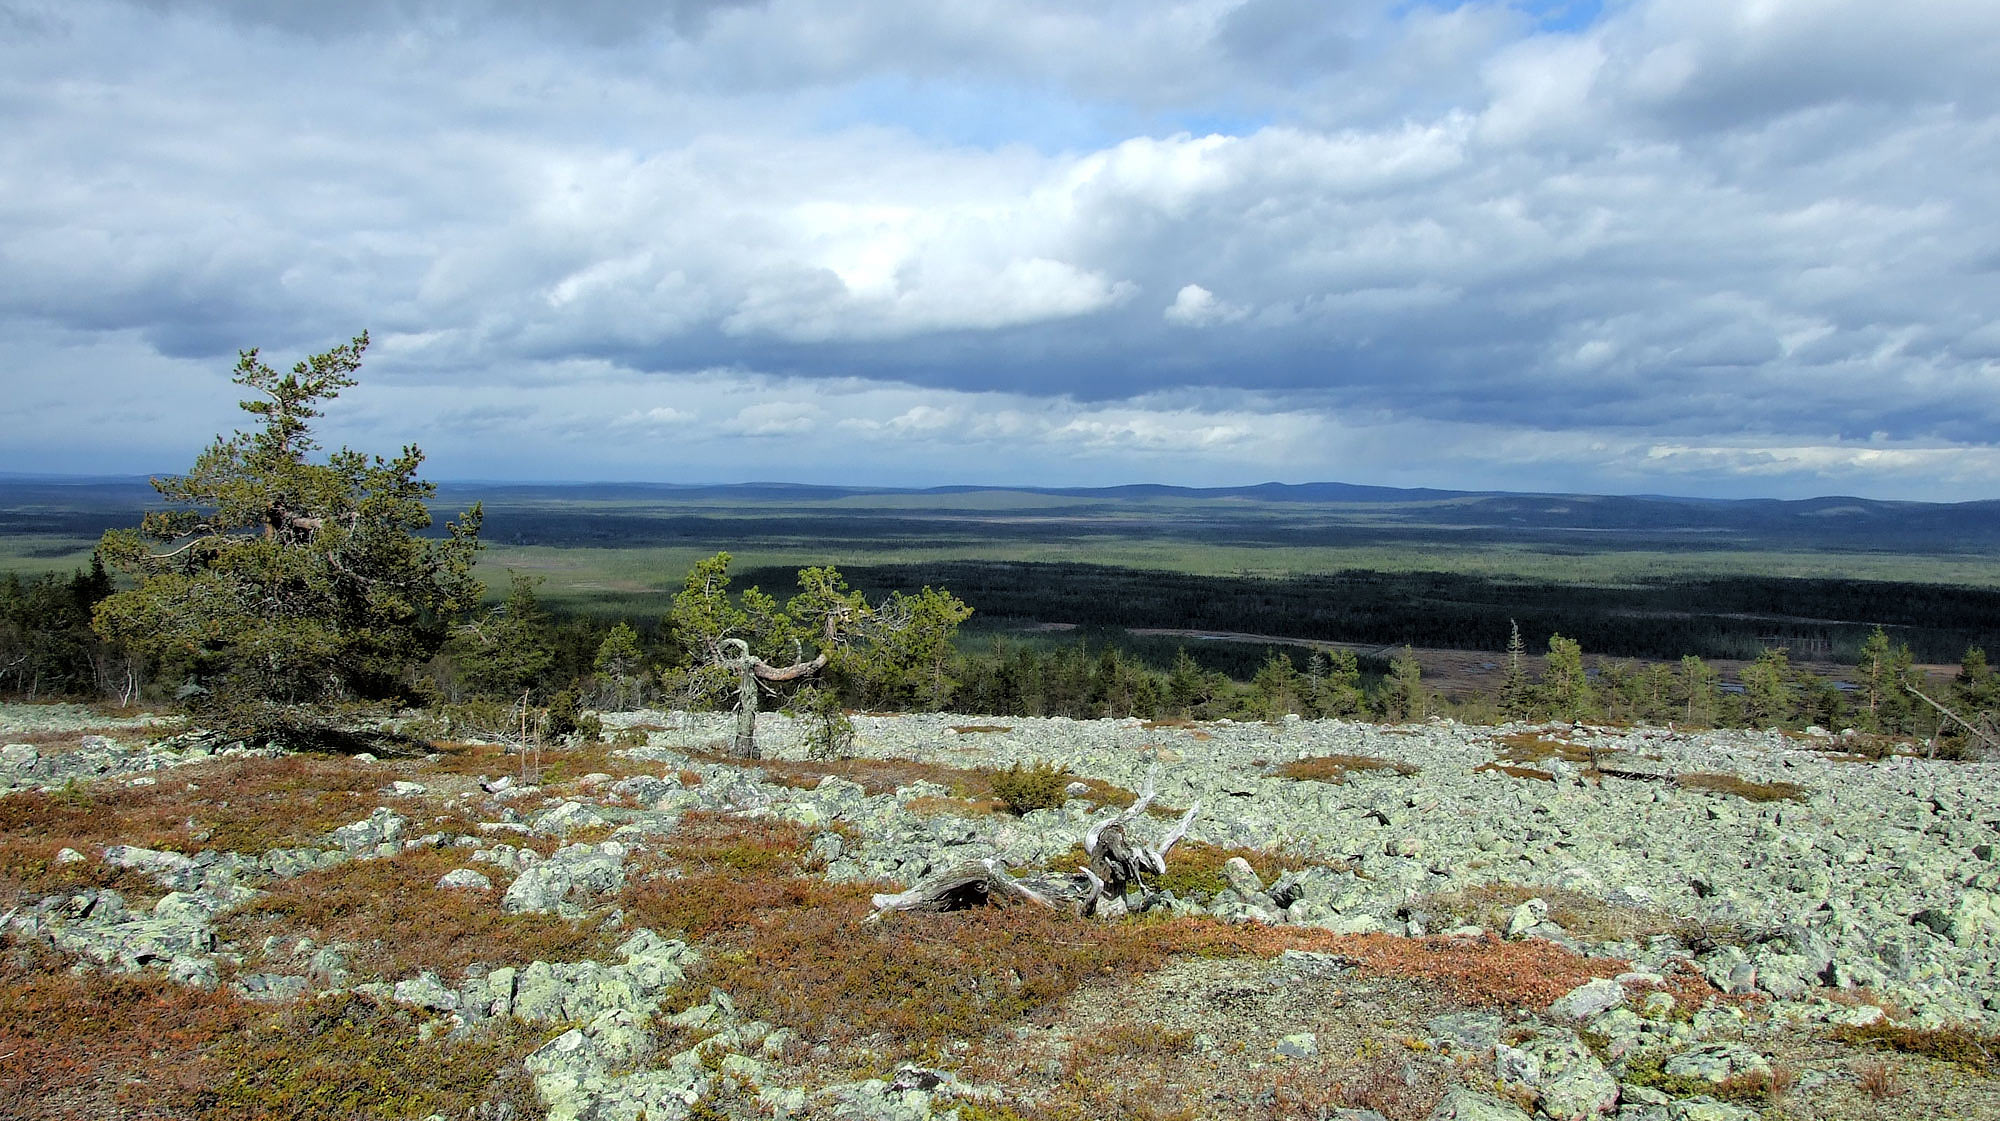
(1820, 572)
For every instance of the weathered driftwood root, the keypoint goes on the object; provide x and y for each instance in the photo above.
(1117, 865)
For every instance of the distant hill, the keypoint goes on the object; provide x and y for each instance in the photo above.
(1302, 514)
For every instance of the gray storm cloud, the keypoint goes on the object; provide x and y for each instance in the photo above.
(1686, 246)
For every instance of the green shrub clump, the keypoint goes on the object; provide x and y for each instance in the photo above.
(1042, 786)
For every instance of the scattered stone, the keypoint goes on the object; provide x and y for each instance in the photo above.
(1588, 999)
(1300, 1045)
(1718, 1063)
(382, 827)
(1460, 1104)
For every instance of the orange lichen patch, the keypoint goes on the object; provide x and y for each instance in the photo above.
(77, 1045)
(399, 921)
(1381, 1081)
(72, 1041)
(1690, 989)
(1743, 788)
(1513, 771)
(884, 776)
(812, 955)
(974, 729)
(875, 776)
(716, 874)
(1860, 746)
(1865, 998)
(1335, 768)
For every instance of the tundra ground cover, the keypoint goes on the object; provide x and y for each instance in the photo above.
(769, 882)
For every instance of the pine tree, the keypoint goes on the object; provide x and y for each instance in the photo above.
(1700, 687)
(1341, 692)
(1406, 696)
(1185, 684)
(723, 633)
(286, 579)
(508, 652)
(1517, 697)
(1276, 686)
(622, 663)
(1770, 696)
(1565, 685)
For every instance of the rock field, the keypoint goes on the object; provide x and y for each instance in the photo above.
(1873, 892)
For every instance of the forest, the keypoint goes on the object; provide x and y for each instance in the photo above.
(275, 580)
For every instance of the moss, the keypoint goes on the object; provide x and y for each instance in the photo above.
(1743, 788)
(1960, 1046)
(1527, 747)
(1513, 771)
(1650, 1071)
(1335, 768)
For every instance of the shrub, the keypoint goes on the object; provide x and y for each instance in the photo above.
(78, 1043)
(1954, 1044)
(400, 922)
(1042, 786)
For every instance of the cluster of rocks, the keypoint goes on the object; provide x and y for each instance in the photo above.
(1884, 875)
(90, 755)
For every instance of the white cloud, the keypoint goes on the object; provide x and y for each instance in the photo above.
(1195, 306)
(1690, 220)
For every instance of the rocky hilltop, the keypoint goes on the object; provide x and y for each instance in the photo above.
(1428, 921)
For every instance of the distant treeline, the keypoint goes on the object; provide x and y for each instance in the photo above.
(1736, 617)
(521, 651)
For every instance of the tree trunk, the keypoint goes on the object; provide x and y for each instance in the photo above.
(1116, 866)
(747, 688)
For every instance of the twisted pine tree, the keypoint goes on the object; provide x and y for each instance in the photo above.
(279, 579)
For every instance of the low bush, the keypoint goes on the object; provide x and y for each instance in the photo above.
(1513, 771)
(1022, 790)
(96, 1045)
(399, 922)
(247, 805)
(1958, 1045)
(1527, 747)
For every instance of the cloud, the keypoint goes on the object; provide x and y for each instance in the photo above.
(1692, 225)
(1195, 306)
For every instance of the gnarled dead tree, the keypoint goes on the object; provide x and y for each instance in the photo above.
(1117, 866)
(752, 674)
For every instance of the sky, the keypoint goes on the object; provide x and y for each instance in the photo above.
(1723, 248)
